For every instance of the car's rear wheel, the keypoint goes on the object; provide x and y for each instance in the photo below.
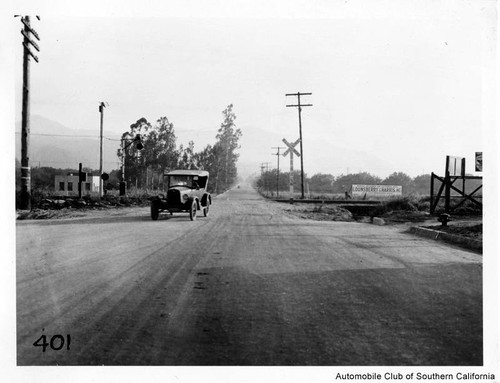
(192, 211)
(155, 210)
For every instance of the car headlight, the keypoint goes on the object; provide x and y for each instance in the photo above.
(185, 197)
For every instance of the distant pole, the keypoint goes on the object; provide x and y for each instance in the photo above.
(101, 111)
(299, 106)
(278, 173)
(25, 200)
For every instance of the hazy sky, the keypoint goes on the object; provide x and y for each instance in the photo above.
(400, 83)
(404, 83)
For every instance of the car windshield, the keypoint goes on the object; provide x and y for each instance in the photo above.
(180, 180)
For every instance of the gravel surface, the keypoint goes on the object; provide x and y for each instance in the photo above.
(247, 285)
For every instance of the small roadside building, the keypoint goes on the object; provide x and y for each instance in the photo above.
(67, 185)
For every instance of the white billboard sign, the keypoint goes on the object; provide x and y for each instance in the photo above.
(455, 166)
(376, 190)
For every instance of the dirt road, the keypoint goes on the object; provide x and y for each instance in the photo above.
(245, 286)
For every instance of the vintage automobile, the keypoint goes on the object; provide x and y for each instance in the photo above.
(187, 192)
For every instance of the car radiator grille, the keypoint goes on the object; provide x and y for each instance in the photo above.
(174, 196)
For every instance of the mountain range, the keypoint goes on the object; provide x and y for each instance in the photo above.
(55, 145)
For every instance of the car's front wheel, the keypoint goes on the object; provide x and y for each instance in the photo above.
(193, 210)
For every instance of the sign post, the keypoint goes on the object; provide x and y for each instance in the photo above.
(291, 149)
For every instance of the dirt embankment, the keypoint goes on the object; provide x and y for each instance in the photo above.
(317, 213)
(465, 229)
(468, 226)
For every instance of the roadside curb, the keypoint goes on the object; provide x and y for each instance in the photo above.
(469, 243)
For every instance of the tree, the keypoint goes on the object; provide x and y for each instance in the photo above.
(206, 160)
(159, 152)
(187, 158)
(131, 155)
(422, 184)
(344, 182)
(224, 151)
(267, 181)
(114, 179)
(321, 183)
(399, 178)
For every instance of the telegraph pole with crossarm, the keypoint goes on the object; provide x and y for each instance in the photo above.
(27, 32)
(299, 106)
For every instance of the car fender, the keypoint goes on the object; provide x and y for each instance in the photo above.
(206, 199)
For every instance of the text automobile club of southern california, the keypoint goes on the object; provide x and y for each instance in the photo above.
(466, 376)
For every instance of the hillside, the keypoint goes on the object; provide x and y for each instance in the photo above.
(55, 145)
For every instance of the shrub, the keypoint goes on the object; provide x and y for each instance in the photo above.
(39, 194)
(405, 203)
(409, 203)
(424, 205)
(468, 208)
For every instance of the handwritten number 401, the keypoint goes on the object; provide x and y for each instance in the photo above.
(57, 342)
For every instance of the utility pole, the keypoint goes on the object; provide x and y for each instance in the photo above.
(278, 173)
(299, 106)
(123, 183)
(27, 32)
(101, 111)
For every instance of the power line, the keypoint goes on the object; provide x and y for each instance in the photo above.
(63, 161)
(72, 162)
(71, 136)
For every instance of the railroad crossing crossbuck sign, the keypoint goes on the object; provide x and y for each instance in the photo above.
(291, 149)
